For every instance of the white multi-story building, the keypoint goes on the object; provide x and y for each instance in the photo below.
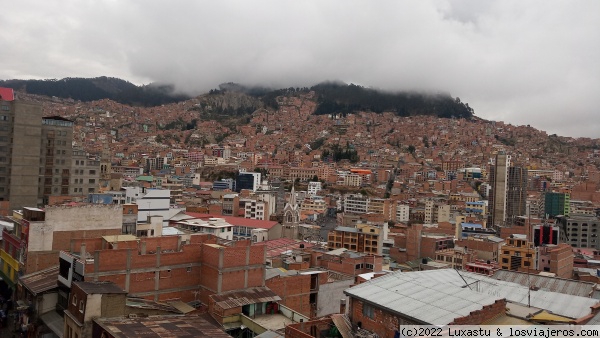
(151, 202)
(256, 210)
(356, 203)
(216, 226)
(353, 180)
(436, 212)
(314, 188)
(402, 213)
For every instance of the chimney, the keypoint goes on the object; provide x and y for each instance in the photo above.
(342, 306)
(82, 252)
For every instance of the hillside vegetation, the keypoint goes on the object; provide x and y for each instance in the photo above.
(91, 89)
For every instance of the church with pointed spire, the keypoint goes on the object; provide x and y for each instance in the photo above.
(291, 217)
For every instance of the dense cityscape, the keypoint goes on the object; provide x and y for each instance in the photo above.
(236, 215)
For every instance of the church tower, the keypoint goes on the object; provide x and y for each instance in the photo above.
(291, 217)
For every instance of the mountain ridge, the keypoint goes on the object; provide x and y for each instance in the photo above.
(332, 97)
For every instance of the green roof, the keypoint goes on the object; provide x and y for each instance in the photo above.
(145, 178)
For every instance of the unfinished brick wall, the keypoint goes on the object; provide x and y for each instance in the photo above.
(383, 323)
(293, 290)
(308, 329)
(40, 260)
(477, 317)
(62, 239)
(161, 276)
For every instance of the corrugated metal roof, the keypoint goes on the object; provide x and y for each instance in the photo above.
(99, 287)
(428, 300)
(560, 285)
(237, 298)
(161, 326)
(438, 296)
(41, 281)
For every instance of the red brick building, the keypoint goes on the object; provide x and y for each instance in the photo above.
(557, 259)
(160, 268)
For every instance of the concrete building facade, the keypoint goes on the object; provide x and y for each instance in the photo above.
(20, 148)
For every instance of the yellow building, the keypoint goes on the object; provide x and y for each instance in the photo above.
(364, 238)
(9, 267)
(518, 254)
(313, 203)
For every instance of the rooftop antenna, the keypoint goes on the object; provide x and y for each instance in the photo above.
(466, 284)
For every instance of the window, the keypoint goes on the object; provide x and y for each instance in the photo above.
(74, 299)
(80, 306)
(189, 269)
(369, 266)
(368, 311)
(3, 117)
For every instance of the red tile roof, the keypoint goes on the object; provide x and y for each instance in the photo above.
(237, 221)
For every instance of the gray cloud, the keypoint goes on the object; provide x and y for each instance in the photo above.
(523, 63)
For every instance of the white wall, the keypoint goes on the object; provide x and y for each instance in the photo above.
(73, 218)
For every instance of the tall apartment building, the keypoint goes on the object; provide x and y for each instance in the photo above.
(436, 212)
(402, 212)
(581, 231)
(20, 147)
(508, 195)
(85, 174)
(556, 203)
(36, 155)
(56, 153)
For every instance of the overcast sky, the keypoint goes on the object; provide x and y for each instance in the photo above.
(521, 62)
